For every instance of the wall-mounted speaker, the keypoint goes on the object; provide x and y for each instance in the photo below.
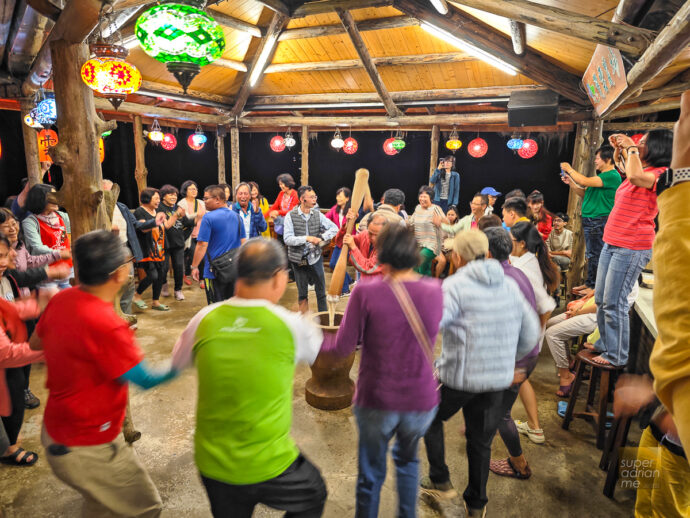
(533, 108)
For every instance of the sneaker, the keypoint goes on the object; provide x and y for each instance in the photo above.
(443, 490)
(165, 291)
(30, 401)
(179, 295)
(534, 435)
(187, 280)
(479, 513)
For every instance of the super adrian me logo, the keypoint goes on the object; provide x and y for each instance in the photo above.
(638, 469)
(238, 326)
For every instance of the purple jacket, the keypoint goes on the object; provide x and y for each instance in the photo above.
(526, 289)
(394, 372)
(25, 260)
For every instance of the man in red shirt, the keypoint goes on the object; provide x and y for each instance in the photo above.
(90, 356)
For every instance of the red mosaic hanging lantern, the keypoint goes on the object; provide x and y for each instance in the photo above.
(195, 143)
(277, 143)
(477, 148)
(529, 148)
(109, 74)
(169, 142)
(388, 147)
(350, 146)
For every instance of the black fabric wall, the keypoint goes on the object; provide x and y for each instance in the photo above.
(328, 169)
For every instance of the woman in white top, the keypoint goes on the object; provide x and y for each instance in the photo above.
(194, 209)
(531, 256)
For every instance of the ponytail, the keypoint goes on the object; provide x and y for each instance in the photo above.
(524, 231)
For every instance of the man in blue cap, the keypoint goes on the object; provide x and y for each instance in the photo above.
(492, 194)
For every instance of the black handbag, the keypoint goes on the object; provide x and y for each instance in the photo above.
(223, 266)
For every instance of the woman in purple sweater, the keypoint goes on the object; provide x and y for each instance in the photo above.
(396, 389)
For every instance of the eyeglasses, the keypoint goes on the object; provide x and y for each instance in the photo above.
(314, 197)
(130, 259)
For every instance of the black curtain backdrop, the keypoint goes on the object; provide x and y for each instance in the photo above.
(500, 168)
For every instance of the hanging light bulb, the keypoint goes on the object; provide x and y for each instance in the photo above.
(337, 142)
(289, 139)
(155, 133)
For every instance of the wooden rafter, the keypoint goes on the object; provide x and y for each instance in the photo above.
(518, 34)
(276, 5)
(632, 40)
(369, 66)
(643, 110)
(274, 29)
(46, 8)
(392, 22)
(349, 64)
(637, 126)
(670, 41)
(404, 96)
(676, 87)
(328, 6)
(486, 38)
(233, 23)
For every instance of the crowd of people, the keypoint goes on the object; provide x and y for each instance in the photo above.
(493, 311)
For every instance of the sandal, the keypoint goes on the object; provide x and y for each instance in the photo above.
(140, 304)
(505, 468)
(564, 390)
(161, 307)
(13, 461)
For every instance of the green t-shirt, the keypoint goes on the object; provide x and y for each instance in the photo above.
(245, 353)
(598, 201)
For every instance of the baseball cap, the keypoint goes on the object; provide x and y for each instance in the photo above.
(490, 191)
(471, 244)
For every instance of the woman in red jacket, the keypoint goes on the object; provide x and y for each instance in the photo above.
(286, 201)
(541, 217)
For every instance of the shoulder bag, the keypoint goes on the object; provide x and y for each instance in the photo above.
(223, 266)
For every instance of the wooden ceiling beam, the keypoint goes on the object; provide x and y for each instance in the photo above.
(363, 53)
(144, 110)
(392, 22)
(411, 95)
(668, 44)
(349, 64)
(632, 40)
(328, 6)
(232, 22)
(643, 110)
(229, 63)
(45, 8)
(264, 55)
(276, 5)
(486, 38)
(164, 90)
(637, 126)
(672, 89)
(562, 127)
(518, 35)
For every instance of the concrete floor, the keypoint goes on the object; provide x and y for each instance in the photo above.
(566, 479)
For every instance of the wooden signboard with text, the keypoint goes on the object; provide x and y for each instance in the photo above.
(604, 79)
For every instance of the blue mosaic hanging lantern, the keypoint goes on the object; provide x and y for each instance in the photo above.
(514, 144)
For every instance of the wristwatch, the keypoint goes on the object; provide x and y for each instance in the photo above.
(672, 177)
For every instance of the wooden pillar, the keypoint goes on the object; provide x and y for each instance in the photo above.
(235, 156)
(80, 129)
(140, 171)
(304, 179)
(587, 141)
(33, 166)
(221, 158)
(433, 162)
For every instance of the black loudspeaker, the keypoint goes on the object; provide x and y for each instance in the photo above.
(533, 108)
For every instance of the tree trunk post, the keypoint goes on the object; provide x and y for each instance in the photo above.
(587, 141)
(304, 179)
(433, 161)
(33, 166)
(234, 156)
(140, 171)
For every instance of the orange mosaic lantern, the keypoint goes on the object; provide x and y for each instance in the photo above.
(101, 149)
(47, 138)
(109, 74)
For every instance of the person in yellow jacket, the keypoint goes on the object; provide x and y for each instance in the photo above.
(263, 205)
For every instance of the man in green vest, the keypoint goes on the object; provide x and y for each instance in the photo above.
(245, 350)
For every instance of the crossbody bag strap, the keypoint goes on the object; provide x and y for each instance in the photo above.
(413, 319)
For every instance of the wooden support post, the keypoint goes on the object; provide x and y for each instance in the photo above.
(80, 129)
(433, 161)
(33, 166)
(304, 178)
(235, 155)
(221, 160)
(140, 171)
(587, 141)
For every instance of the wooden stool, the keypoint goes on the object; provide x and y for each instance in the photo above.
(598, 414)
(615, 440)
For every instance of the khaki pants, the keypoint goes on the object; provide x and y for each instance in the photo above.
(109, 476)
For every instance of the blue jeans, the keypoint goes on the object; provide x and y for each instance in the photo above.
(618, 270)
(593, 229)
(376, 428)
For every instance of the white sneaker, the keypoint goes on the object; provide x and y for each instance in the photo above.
(179, 295)
(165, 291)
(536, 435)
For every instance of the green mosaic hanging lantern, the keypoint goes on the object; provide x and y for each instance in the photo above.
(182, 36)
(398, 144)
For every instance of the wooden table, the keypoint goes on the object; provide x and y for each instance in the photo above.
(643, 332)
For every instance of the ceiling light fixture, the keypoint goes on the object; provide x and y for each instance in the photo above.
(470, 49)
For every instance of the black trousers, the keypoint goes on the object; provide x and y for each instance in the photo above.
(482, 412)
(156, 275)
(218, 291)
(299, 491)
(176, 258)
(189, 257)
(16, 383)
